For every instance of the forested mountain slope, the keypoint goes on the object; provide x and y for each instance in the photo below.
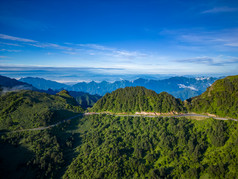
(107, 146)
(137, 99)
(220, 99)
(138, 147)
(31, 109)
(85, 100)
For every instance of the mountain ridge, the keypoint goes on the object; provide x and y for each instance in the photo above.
(180, 87)
(7, 84)
(31, 109)
(134, 99)
(114, 146)
(10, 84)
(220, 99)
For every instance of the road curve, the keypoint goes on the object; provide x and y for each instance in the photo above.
(43, 128)
(131, 115)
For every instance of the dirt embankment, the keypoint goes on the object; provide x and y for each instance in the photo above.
(211, 115)
(137, 113)
(157, 114)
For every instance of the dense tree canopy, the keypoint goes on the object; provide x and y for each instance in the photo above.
(31, 109)
(133, 147)
(220, 99)
(133, 99)
(108, 146)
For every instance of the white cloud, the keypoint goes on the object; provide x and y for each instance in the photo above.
(232, 44)
(124, 53)
(96, 46)
(222, 40)
(70, 53)
(10, 44)
(8, 37)
(198, 60)
(189, 87)
(211, 61)
(219, 10)
(225, 36)
(50, 45)
(72, 49)
(114, 52)
(7, 50)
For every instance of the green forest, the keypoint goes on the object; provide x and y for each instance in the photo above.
(30, 109)
(221, 99)
(133, 99)
(36, 154)
(106, 146)
(110, 146)
(137, 147)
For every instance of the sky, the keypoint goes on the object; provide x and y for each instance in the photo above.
(114, 39)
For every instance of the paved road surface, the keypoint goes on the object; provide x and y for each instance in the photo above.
(43, 128)
(179, 115)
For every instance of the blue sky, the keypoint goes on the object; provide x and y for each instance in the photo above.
(117, 37)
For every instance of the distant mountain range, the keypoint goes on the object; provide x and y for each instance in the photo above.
(7, 84)
(179, 87)
(43, 84)
(10, 84)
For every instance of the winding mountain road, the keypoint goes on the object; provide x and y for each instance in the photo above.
(130, 115)
(43, 128)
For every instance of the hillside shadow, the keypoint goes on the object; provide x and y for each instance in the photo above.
(69, 138)
(13, 161)
(62, 114)
(3, 131)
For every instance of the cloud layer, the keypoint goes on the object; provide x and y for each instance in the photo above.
(72, 49)
(97, 57)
